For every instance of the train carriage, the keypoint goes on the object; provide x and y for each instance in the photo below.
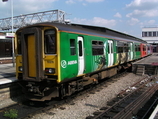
(137, 53)
(143, 49)
(54, 59)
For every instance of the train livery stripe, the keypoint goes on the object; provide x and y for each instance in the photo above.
(58, 52)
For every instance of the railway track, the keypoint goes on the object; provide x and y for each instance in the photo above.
(31, 107)
(146, 111)
(11, 93)
(128, 102)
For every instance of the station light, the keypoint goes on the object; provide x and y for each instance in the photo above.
(13, 55)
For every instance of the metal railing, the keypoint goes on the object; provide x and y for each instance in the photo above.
(27, 19)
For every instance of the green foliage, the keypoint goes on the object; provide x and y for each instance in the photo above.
(12, 113)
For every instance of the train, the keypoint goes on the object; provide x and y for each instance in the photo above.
(57, 59)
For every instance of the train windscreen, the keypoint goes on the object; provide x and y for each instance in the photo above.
(50, 41)
(19, 43)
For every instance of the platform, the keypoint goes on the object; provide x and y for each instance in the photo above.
(150, 60)
(147, 65)
(5, 58)
(7, 73)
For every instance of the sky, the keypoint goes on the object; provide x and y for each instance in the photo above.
(127, 16)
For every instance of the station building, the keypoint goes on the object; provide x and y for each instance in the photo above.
(150, 34)
(5, 46)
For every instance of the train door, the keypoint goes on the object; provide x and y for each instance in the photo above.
(131, 51)
(32, 54)
(110, 53)
(81, 63)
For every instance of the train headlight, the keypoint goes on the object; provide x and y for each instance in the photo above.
(20, 68)
(50, 70)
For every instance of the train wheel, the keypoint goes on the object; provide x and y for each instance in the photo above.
(62, 91)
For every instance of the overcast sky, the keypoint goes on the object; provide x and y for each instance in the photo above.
(128, 16)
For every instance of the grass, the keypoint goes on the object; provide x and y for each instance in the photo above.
(12, 114)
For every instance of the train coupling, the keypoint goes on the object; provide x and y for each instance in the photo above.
(35, 89)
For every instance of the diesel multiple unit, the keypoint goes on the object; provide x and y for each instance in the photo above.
(55, 60)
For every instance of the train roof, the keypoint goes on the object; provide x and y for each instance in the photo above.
(109, 31)
(91, 30)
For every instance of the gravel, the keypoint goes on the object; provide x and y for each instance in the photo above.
(85, 104)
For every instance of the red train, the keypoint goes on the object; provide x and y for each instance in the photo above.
(145, 49)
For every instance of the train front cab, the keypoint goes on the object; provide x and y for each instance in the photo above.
(37, 60)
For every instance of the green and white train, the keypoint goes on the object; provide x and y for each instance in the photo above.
(55, 60)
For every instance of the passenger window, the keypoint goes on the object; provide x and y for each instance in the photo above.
(72, 47)
(108, 48)
(97, 48)
(138, 47)
(112, 48)
(50, 41)
(80, 48)
(126, 47)
(119, 47)
(144, 48)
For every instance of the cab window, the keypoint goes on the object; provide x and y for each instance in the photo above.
(50, 41)
(19, 43)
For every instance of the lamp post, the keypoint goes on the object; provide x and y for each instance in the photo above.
(13, 58)
(12, 37)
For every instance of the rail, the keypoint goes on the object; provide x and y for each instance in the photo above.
(130, 102)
